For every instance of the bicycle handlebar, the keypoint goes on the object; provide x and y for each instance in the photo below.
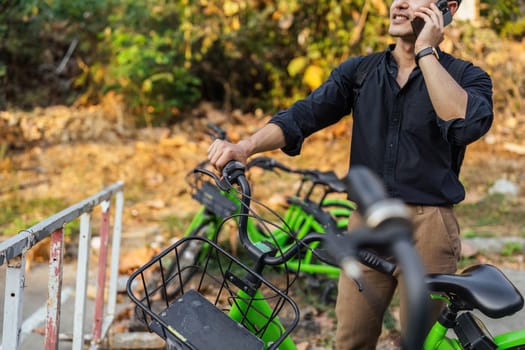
(327, 178)
(216, 132)
(387, 226)
(233, 173)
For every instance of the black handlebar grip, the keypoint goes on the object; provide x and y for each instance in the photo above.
(364, 187)
(232, 168)
(376, 262)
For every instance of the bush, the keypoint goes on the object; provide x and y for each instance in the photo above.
(164, 57)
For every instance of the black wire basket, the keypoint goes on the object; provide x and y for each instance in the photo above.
(213, 301)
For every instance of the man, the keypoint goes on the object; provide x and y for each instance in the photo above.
(412, 122)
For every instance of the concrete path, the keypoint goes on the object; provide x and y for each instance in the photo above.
(35, 299)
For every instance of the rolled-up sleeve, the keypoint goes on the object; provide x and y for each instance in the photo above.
(323, 107)
(479, 115)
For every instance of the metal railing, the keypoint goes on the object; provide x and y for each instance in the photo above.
(13, 253)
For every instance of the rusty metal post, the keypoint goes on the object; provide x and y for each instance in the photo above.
(13, 302)
(114, 266)
(101, 272)
(56, 257)
(13, 253)
(82, 281)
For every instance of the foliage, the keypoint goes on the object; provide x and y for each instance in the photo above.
(164, 56)
(505, 16)
(19, 214)
(145, 60)
(35, 38)
(511, 248)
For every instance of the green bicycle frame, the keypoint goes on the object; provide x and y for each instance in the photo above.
(437, 339)
(510, 339)
(256, 315)
(302, 224)
(296, 219)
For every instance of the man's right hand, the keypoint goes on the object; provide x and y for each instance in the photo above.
(267, 138)
(221, 152)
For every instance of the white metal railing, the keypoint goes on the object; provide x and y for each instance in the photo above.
(13, 253)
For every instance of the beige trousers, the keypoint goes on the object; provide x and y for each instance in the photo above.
(360, 314)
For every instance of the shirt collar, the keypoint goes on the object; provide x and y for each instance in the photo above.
(391, 64)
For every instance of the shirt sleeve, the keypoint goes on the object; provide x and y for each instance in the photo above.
(323, 107)
(479, 114)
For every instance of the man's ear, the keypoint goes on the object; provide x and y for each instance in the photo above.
(453, 6)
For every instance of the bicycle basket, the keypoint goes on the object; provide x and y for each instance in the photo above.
(217, 303)
(214, 200)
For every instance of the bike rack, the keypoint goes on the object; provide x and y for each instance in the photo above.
(13, 253)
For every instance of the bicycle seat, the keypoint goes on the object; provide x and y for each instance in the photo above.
(483, 287)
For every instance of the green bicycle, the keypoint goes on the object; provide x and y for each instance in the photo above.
(311, 209)
(226, 304)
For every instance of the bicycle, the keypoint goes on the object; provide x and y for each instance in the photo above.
(310, 209)
(233, 303)
(481, 287)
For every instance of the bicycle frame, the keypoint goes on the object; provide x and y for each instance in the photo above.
(254, 314)
(437, 339)
(296, 220)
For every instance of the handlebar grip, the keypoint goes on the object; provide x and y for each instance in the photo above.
(343, 247)
(364, 187)
(417, 293)
(232, 170)
(376, 262)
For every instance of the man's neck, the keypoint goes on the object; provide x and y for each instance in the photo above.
(404, 53)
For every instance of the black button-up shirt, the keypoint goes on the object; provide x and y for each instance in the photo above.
(396, 131)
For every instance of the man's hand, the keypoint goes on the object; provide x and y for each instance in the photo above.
(221, 152)
(433, 32)
(267, 138)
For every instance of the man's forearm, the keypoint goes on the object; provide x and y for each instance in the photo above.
(268, 138)
(448, 98)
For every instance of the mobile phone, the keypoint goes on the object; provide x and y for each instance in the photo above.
(418, 23)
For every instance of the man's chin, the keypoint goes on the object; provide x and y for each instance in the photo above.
(402, 34)
(395, 32)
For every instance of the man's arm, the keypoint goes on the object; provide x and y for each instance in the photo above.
(448, 98)
(269, 137)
